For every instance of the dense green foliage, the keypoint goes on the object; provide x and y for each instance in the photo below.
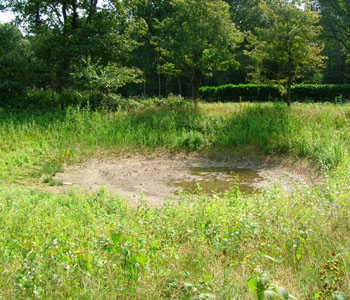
(288, 47)
(232, 246)
(137, 47)
(46, 100)
(212, 35)
(335, 20)
(241, 92)
(265, 92)
(14, 61)
(321, 93)
(65, 35)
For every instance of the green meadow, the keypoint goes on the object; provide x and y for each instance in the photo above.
(81, 245)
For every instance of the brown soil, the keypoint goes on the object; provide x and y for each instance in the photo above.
(147, 177)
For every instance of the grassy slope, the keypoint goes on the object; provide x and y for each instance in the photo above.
(96, 246)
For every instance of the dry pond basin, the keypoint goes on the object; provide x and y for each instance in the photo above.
(155, 178)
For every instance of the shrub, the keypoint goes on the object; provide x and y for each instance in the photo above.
(263, 92)
(72, 97)
(35, 98)
(41, 99)
(321, 92)
(114, 102)
(46, 99)
(241, 92)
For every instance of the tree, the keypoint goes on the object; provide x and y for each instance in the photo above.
(197, 39)
(64, 32)
(288, 47)
(147, 56)
(14, 60)
(335, 20)
(106, 79)
(246, 14)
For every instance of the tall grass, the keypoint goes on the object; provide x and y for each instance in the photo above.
(93, 246)
(36, 144)
(79, 245)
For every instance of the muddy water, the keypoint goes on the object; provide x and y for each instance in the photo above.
(217, 180)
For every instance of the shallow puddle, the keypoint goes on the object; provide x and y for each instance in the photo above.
(209, 180)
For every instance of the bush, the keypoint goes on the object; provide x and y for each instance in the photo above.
(15, 61)
(241, 92)
(263, 92)
(41, 99)
(35, 98)
(172, 102)
(72, 97)
(321, 92)
(115, 102)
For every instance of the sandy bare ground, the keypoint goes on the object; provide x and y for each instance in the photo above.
(147, 178)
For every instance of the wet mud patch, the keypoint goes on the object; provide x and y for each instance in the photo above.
(155, 178)
(210, 180)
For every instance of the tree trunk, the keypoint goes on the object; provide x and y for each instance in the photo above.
(64, 14)
(158, 72)
(166, 86)
(144, 87)
(75, 15)
(179, 86)
(196, 82)
(289, 96)
(92, 10)
(37, 16)
(289, 80)
(159, 86)
(62, 74)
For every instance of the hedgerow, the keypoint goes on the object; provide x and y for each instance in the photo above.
(271, 92)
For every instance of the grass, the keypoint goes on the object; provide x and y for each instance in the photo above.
(34, 145)
(80, 245)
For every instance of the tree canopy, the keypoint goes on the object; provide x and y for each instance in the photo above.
(174, 46)
(288, 47)
(14, 60)
(196, 39)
